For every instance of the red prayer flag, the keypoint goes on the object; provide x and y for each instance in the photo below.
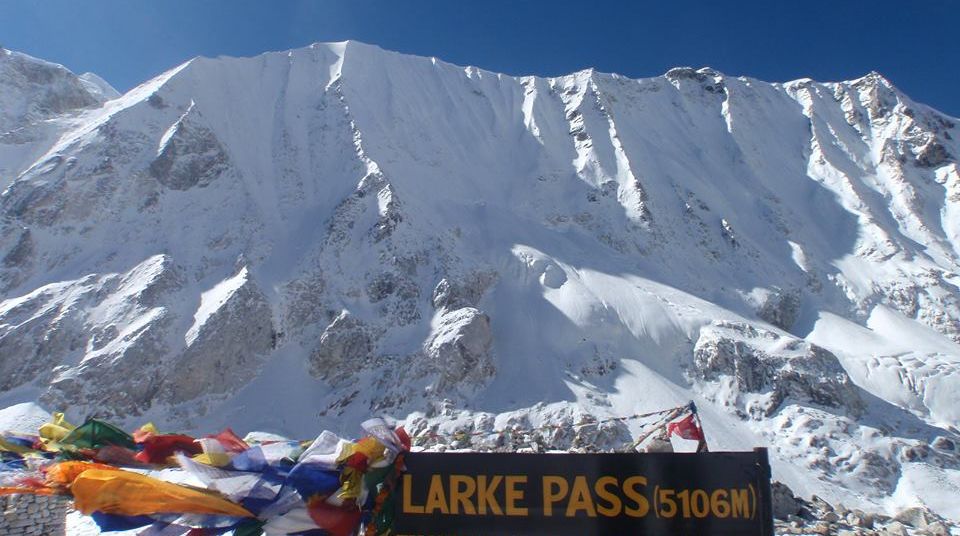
(686, 428)
(336, 520)
(157, 448)
(230, 441)
(403, 437)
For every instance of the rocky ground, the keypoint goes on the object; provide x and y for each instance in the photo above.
(794, 515)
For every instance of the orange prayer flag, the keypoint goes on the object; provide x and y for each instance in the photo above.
(132, 494)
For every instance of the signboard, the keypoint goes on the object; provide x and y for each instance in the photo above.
(703, 494)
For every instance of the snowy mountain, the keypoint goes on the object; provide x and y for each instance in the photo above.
(33, 95)
(302, 239)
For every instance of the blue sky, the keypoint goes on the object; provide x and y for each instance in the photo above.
(915, 43)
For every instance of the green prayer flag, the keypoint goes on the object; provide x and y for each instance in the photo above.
(94, 434)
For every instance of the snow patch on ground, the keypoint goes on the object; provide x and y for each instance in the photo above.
(25, 418)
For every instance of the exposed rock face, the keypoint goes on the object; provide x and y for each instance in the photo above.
(19, 254)
(459, 349)
(104, 338)
(785, 503)
(189, 155)
(570, 430)
(926, 296)
(345, 346)
(733, 354)
(465, 292)
(34, 96)
(303, 304)
(780, 308)
(227, 345)
(122, 378)
(107, 338)
(932, 155)
(34, 90)
(39, 330)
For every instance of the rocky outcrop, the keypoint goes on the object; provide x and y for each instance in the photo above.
(345, 346)
(231, 337)
(18, 259)
(100, 340)
(751, 361)
(122, 373)
(101, 343)
(932, 154)
(779, 307)
(302, 304)
(189, 155)
(927, 296)
(396, 295)
(794, 515)
(19, 254)
(572, 431)
(459, 349)
(454, 293)
(43, 328)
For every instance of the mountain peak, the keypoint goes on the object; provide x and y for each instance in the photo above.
(98, 87)
(32, 89)
(874, 79)
(701, 74)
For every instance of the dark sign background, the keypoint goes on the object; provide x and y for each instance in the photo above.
(668, 477)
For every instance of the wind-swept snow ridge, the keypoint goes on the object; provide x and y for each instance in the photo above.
(340, 230)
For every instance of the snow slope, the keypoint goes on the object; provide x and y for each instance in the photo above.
(305, 238)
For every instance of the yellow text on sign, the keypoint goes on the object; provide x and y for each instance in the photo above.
(606, 496)
(469, 495)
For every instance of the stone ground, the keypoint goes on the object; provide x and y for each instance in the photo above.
(32, 515)
(793, 515)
